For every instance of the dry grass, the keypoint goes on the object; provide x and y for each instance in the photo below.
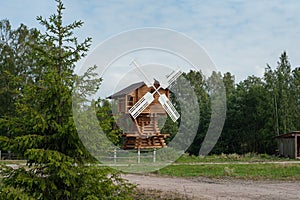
(151, 194)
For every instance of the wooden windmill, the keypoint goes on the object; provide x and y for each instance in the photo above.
(144, 102)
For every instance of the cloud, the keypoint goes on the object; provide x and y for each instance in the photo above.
(240, 36)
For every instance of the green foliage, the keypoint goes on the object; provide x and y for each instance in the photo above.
(198, 82)
(53, 175)
(41, 128)
(107, 121)
(170, 128)
(15, 58)
(282, 84)
(43, 116)
(259, 109)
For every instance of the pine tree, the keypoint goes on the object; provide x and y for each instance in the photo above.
(44, 130)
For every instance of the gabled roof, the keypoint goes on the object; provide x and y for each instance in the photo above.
(289, 135)
(127, 90)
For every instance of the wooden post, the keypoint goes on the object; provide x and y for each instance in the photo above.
(154, 155)
(137, 126)
(139, 155)
(115, 155)
(126, 103)
(295, 146)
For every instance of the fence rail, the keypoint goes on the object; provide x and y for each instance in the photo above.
(136, 156)
(116, 156)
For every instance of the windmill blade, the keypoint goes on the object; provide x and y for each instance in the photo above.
(173, 76)
(140, 73)
(148, 98)
(141, 105)
(168, 106)
(170, 78)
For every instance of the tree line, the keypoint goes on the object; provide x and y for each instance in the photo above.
(258, 109)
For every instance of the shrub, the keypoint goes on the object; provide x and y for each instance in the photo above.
(54, 175)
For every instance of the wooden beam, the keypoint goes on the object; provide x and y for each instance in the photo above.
(296, 144)
(137, 126)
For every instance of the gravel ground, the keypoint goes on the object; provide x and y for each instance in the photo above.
(206, 188)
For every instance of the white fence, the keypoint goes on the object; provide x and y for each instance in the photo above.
(133, 156)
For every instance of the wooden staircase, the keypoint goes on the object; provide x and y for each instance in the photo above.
(148, 135)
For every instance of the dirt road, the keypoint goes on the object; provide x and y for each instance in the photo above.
(204, 188)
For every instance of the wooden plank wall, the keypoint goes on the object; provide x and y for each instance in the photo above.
(287, 147)
(139, 93)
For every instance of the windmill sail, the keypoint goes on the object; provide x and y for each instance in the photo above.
(170, 79)
(168, 106)
(141, 105)
(140, 73)
(148, 98)
(173, 76)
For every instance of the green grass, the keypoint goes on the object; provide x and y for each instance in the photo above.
(248, 166)
(229, 158)
(242, 171)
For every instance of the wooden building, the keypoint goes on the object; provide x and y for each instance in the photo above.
(146, 133)
(289, 144)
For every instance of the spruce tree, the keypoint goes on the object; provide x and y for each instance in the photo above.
(43, 129)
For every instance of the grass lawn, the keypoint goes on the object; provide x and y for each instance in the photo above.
(244, 171)
(230, 158)
(248, 166)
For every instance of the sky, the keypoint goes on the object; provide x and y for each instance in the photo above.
(239, 36)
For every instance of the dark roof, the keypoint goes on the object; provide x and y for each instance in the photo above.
(126, 90)
(289, 135)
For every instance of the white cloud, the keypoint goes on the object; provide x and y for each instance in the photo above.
(240, 36)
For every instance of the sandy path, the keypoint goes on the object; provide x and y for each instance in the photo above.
(204, 188)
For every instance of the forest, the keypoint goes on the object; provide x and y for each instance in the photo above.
(258, 109)
(37, 79)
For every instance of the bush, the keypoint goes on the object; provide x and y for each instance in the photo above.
(54, 175)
